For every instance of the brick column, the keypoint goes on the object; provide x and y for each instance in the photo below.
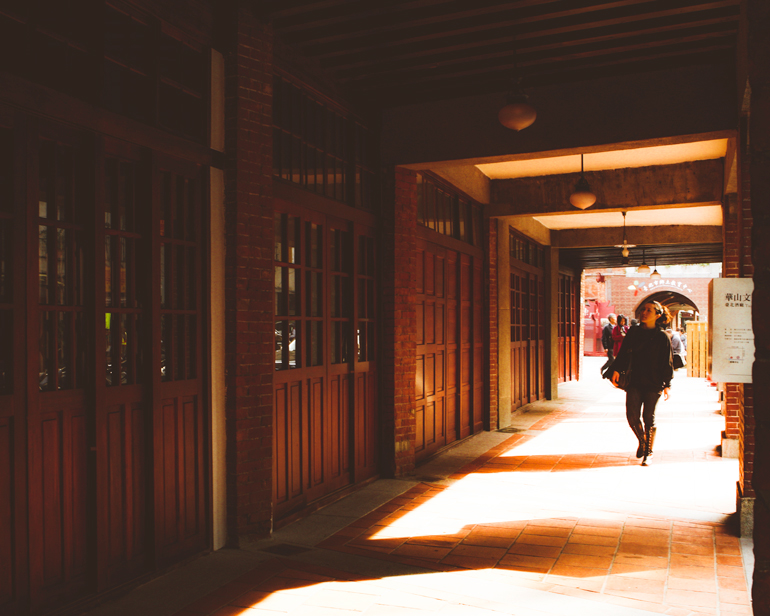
(492, 328)
(399, 324)
(249, 276)
(759, 140)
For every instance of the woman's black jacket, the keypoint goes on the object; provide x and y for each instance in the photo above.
(648, 352)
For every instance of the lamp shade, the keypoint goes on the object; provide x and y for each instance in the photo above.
(517, 114)
(582, 197)
(643, 269)
(655, 274)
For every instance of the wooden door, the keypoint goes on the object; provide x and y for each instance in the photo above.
(13, 423)
(519, 345)
(449, 397)
(179, 416)
(122, 422)
(325, 428)
(527, 337)
(436, 361)
(568, 333)
(60, 430)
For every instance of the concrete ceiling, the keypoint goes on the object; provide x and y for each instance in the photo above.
(698, 215)
(601, 161)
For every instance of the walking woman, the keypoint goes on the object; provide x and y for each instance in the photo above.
(645, 356)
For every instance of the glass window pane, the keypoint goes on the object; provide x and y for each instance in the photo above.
(62, 258)
(43, 264)
(166, 358)
(280, 330)
(278, 235)
(64, 350)
(109, 347)
(280, 300)
(293, 291)
(294, 344)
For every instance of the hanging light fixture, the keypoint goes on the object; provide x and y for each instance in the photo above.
(655, 273)
(582, 197)
(625, 245)
(517, 114)
(643, 269)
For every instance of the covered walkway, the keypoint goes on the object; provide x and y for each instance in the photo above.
(555, 516)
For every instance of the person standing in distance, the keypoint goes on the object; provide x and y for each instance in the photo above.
(646, 350)
(607, 342)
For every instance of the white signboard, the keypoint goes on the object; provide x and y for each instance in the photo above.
(732, 337)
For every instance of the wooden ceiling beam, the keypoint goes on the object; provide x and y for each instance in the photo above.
(475, 65)
(640, 236)
(503, 73)
(431, 55)
(373, 39)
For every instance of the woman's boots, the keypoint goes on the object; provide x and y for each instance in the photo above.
(648, 449)
(639, 432)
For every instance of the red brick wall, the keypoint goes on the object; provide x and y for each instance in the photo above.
(739, 398)
(615, 290)
(249, 278)
(491, 233)
(399, 325)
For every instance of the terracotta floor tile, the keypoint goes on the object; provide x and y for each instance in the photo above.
(731, 583)
(691, 548)
(647, 523)
(730, 561)
(538, 562)
(740, 597)
(691, 559)
(728, 571)
(639, 595)
(727, 609)
(542, 540)
(691, 572)
(608, 540)
(479, 552)
(581, 583)
(470, 562)
(578, 572)
(705, 540)
(590, 550)
(652, 587)
(488, 541)
(340, 600)
(529, 549)
(551, 531)
(700, 585)
(655, 562)
(439, 541)
(422, 551)
(642, 549)
(581, 560)
(280, 601)
(691, 598)
(594, 525)
(634, 571)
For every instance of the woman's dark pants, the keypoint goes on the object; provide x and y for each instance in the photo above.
(636, 399)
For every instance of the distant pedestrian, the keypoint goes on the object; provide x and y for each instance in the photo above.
(607, 342)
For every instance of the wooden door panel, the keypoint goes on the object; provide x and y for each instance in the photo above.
(315, 432)
(125, 499)
(58, 501)
(7, 506)
(179, 487)
(430, 424)
(419, 422)
(339, 432)
(366, 426)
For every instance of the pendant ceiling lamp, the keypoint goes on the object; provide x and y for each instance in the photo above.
(643, 269)
(655, 273)
(517, 114)
(582, 197)
(625, 245)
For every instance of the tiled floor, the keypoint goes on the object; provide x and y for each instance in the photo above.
(559, 518)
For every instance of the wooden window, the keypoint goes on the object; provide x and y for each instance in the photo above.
(288, 286)
(60, 258)
(179, 281)
(441, 210)
(321, 149)
(340, 296)
(123, 299)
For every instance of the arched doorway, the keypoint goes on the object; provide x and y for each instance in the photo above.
(676, 304)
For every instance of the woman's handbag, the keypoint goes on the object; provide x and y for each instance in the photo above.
(624, 377)
(678, 361)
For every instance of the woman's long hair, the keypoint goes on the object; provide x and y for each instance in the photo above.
(664, 316)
